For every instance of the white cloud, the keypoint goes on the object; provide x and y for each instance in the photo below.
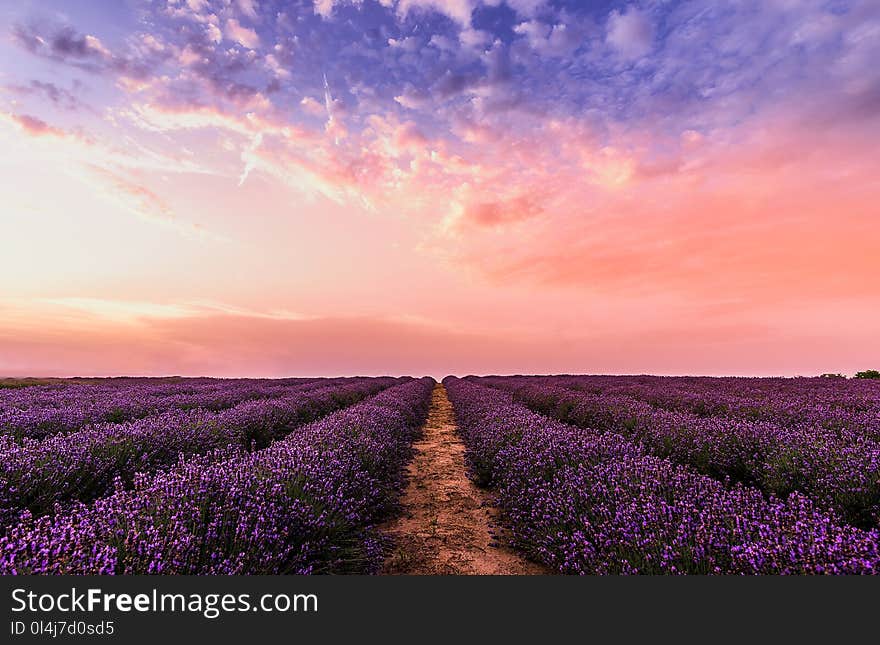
(474, 38)
(312, 106)
(276, 67)
(458, 10)
(244, 36)
(214, 34)
(324, 8)
(630, 33)
(413, 98)
(552, 40)
(535, 32)
(248, 7)
(197, 5)
(409, 44)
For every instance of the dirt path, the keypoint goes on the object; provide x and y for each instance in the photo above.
(447, 523)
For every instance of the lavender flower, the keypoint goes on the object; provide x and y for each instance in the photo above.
(86, 464)
(308, 503)
(583, 501)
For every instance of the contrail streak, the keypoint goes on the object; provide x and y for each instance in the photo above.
(328, 105)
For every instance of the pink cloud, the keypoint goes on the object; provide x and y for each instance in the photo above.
(312, 107)
(243, 35)
(490, 214)
(408, 136)
(141, 199)
(324, 8)
(35, 127)
(749, 223)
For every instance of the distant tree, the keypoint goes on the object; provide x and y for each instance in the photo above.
(832, 375)
(868, 374)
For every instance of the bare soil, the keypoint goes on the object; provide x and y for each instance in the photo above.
(448, 524)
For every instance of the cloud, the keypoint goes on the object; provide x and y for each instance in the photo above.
(498, 213)
(122, 311)
(34, 126)
(560, 39)
(140, 338)
(630, 33)
(275, 66)
(213, 33)
(409, 44)
(65, 45)
(128, 192)
(135, 197)
(312, 107)
(474, 38)
(57, 96)
(165, 117)
(248, 7)
(443, 43)
(457, 10)
(525, 8)
(243, 35)
(107, 337)
(414, 98)
(408, 136)
(653, 231)
(324, 8)
(70, 150)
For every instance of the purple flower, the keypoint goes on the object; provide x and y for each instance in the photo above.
(588, 501)
(309, 502)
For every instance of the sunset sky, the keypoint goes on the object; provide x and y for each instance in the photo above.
(267, 188)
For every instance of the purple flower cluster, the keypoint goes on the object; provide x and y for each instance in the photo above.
(309, 503)
(832, 403)
(87, 464)
(41, 411)
(588, 502)
(839, 469)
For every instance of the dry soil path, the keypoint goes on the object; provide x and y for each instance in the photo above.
(448, 524)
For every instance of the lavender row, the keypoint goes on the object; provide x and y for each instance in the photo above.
(307, 504)
(61, 409)
(587, 502)
(834, 404)
(83, 392)
(89, 463)
(840, 472)
(61, 391)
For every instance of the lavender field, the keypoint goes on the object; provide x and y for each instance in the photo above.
(258, 477)
(681, 475)
(531, 474)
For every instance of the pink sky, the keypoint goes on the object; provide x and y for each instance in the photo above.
(482, 187)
